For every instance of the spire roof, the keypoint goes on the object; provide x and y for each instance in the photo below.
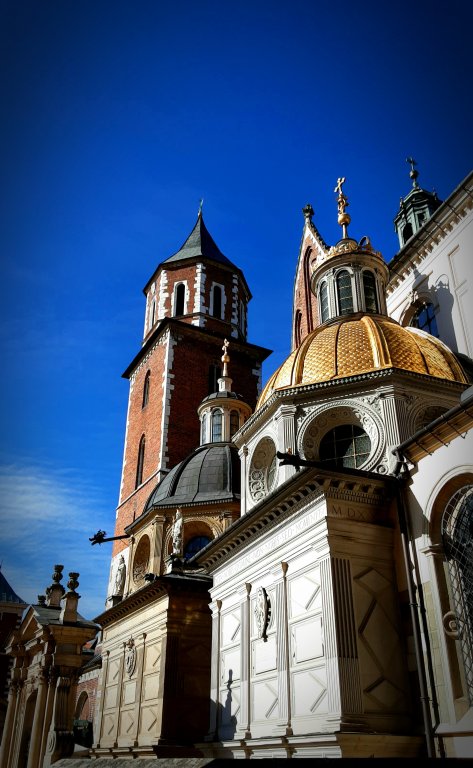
(200, 244)
(7, 595)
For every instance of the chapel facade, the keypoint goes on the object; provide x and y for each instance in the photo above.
(290, 575)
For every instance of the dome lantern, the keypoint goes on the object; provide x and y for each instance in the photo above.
(352, 278)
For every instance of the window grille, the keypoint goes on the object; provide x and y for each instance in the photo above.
(457, 537)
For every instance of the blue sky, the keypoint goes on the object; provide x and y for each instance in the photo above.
(117, 118)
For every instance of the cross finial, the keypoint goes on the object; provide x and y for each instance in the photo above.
(340, 183)
(342, 202)
(413, 173)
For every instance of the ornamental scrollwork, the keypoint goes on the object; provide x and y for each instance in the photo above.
(262, 612)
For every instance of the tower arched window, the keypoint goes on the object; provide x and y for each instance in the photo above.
(407, 232)
(369, 290)
(347, 445)
(215, 373)
(234, 422)
(203, 429)
(457, 539)
(146, 389)
(179, 299)
(140, 462)
(424, 318)
(323, 302)
(243, 318)
(152, 314)
(344, 293)
(216, 426)
(217, 301)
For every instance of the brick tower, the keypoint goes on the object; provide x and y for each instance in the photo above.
(194, 300)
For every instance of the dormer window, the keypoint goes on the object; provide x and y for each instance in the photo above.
(344, 293)
(369, 291)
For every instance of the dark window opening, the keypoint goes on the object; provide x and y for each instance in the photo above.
(407, 232)
(297, 327)
(324, 310)
(217, 301)
(234, 422)
(146, 389)
(180, 299)
(345, 446)
(140, 462)
(369, 289)
(194, 545)
(215, 373)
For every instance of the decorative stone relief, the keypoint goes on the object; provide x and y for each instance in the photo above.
(141, 559)
(130, 657)
(262, 612)
(261, 474)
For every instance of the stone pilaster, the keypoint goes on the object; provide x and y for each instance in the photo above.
(286, 426)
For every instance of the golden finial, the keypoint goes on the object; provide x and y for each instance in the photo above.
(225, 357)
(343, 217)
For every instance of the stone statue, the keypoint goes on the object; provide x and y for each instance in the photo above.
(177, 533)
(120, 577)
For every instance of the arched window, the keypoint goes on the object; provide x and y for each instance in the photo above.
(152, 314)
(345, 446)
(234, 422)
(407, 232)
(424, 318)
(217, 301)
(146, 389)
(344, 293)
(242, 318)
(179, 299)
(369, 290)
(140, 463)
(216, 426)
(194, 545)
(323, 302)
(297, 327)
(203, 429)
(457, 539)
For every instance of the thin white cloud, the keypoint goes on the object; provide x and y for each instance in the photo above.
(47, 515)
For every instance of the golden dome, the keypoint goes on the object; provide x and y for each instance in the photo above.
(360, 344)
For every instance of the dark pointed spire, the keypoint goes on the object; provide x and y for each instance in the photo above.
(200, 244)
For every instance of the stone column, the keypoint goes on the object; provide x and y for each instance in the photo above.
(139, 688)
(286, 426)
(215, 672)
(245, 657)
(10, 723)
(60, 737)
(284, 662)
(102, 687)
(243, 454)
(48, 713)
(38, 721)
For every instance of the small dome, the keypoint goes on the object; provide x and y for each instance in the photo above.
(360, 344)
(211, 473)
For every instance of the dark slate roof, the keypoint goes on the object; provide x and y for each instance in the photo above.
(224, 395)
(7, 595)
(200, 244)
(211, 473)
